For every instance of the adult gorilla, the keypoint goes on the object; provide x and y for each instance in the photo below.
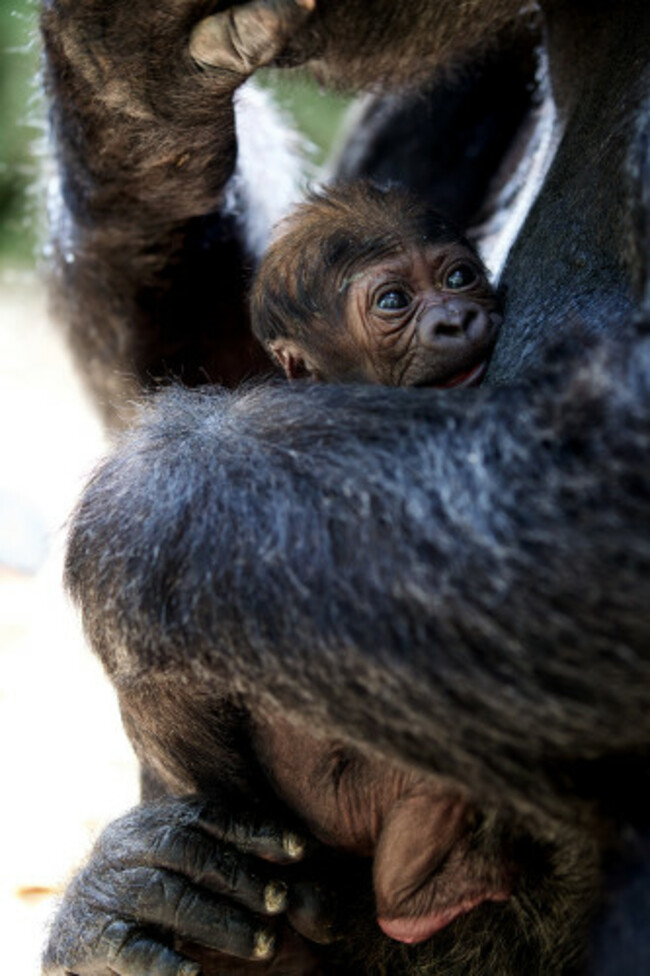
(419, 620)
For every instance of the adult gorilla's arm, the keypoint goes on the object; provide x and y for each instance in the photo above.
(148, 257)
(459, 580)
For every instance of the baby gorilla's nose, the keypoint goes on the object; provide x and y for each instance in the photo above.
(444, 324)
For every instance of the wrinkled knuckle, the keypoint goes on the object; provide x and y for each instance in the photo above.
(114, 936)
(165, 844)
(185, 906)
(121, 837)
(195, 858)
(97, 888)
(227, 862)
(152, 891)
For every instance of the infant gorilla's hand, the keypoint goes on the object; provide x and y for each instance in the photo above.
(186, 879)
(242, 39)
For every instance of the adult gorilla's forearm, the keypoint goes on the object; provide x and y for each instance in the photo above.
(460, 579)
(147, 254)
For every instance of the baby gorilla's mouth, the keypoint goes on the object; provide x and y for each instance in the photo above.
(467, 377)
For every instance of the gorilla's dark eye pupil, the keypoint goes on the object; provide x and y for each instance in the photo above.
(460, 277)
(395, 298)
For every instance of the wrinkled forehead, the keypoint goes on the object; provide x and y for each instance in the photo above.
(402, 260)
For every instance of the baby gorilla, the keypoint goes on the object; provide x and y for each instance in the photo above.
(364, 284)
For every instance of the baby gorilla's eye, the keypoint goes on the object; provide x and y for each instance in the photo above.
(392, 300)
(461, 276)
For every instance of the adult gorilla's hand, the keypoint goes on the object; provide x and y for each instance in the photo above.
(152, 88)
(242, 39)
(185, 879)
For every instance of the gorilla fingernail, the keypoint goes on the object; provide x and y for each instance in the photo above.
(275, 897)
(293, 845)
(264, 946)
(189, 969)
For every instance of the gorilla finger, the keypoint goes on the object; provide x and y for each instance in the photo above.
(136, 838)
(242, 39)
(220, 868)
(252, 834)
(166, 899)
(122, 949)
(131, 952)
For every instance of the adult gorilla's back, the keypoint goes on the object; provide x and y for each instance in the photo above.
(471, 576)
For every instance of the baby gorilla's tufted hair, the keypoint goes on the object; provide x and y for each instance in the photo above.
(324, 242)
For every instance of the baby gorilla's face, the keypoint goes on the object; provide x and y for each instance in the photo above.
(422, 318)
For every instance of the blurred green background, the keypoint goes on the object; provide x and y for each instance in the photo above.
(316, 113)
(22, 114)
(21, 131)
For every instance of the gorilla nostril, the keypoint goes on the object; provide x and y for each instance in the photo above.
(453, 320)
(450, 329)
(469, 317)
(476, 322)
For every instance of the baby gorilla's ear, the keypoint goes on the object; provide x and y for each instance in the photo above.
(293, 359)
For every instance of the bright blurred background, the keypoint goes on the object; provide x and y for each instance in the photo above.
(65, 766)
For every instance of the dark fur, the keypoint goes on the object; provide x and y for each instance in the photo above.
(495, 564)
(462, 490)
(468, 572)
